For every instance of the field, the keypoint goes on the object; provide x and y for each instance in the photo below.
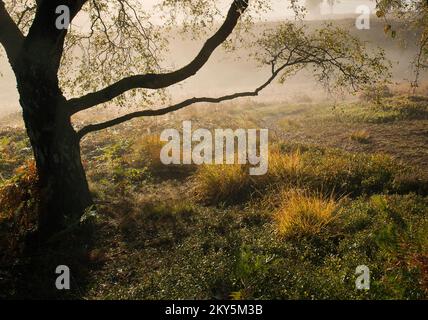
(347, 186)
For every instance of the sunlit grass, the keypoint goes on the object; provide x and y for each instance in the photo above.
(326, 170)
(216, 183)
(302, 214)
(148, 153)
(361, 136)
(149, 148)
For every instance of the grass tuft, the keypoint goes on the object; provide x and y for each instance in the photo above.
(361, 136)
(301, 214)
(329, 170)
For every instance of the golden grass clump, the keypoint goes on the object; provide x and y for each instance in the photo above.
(148, 150)
(361, 136)
(301, 214)
(282, 166)
(216, 183)
(150, 147)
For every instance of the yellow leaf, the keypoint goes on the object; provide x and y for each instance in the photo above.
(387, 28)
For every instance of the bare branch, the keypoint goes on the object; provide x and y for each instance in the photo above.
(158, 112)
(334, 55)
(158, 81)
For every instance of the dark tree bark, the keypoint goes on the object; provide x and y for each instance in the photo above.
(35, 60)
(64, 188)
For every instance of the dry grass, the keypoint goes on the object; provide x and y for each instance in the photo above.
(217, 183)
(301, 214)
(150, 146)
(289, 124)
(361, 136)
(328, 170)
(148, 149)
(283, 166)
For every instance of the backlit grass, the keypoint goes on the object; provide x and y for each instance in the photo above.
(302, 214)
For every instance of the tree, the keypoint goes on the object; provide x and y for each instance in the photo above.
(118, 59)
(414, 17)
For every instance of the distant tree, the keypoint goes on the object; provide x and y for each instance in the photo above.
(118, 58)
(414, 15)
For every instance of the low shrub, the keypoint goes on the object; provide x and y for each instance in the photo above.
(19, 208)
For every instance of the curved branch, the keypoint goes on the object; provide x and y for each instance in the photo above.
(150, 113)
(11, 37)
(158, 81)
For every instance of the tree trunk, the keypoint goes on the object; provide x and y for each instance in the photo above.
(64, 188)
(65, 192)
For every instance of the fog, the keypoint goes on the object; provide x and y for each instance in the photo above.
(224, 73)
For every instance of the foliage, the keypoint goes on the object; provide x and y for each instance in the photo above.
(19, 208)
(376, 94)
(337, 59)
(415, 15)
(14, 152)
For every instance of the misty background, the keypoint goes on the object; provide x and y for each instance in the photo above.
(225, 73)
